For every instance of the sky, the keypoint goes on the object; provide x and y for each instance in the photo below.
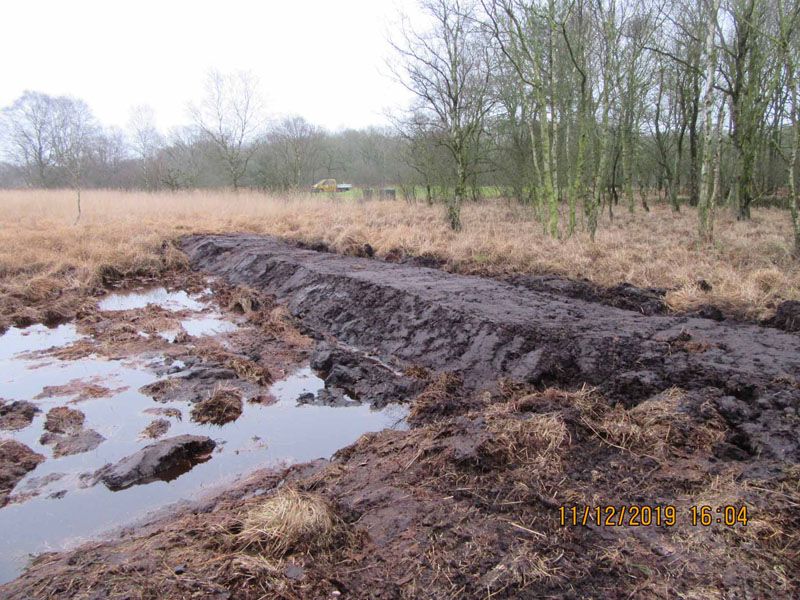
(323, 60)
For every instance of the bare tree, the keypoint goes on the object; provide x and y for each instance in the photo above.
(230, 117)
(296, 144)
(73, 134)
(146, 142)
(527, 33)
(29, 132)
(447, 70)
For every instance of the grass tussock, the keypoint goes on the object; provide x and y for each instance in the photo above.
(249, 370)
(290, 521)
(749, 267)
(223, 406)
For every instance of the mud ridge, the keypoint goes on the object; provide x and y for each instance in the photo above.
(484, 330)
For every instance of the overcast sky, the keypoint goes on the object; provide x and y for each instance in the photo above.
(324, 60)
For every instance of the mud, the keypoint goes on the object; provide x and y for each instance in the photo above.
(17, 414)
(355, 376)
(647, 301)
(164, 460)
(15, 461)
(787, 316)
(156, 429)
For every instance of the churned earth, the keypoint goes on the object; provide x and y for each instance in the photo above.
(526, 402)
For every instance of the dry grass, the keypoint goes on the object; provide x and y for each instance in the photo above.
(223, 406)
(288, 521)
(535, 442)
(42, 253)
(443, 396)
(659, 427)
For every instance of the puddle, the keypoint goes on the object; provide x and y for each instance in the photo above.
(263, 436)
(201, 326)
(34, 339)
(173, 301)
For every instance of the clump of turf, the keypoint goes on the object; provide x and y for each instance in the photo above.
(290, 521)
(223, 406)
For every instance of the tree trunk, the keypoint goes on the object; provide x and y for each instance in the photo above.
(706, 175)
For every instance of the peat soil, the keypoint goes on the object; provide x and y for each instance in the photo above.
(525, 404)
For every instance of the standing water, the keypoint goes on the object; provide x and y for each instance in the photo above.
(57, 505)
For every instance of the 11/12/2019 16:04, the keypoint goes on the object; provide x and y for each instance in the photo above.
(648, 516)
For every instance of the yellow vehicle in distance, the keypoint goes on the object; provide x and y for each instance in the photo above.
(330, 186)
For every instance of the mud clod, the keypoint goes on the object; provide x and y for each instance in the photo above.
(223, 406)
(16, 460)
(62, 419)
(787, 316)
(81, 390)
(163, 460)
(64, 431)
(156, 429)
(360, 377)
(173, 413)
(17, 414)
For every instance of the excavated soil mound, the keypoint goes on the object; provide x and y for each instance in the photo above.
(484, 330)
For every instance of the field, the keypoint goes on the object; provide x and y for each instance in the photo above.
(44, 257)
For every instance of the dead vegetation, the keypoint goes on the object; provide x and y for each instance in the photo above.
(222, 406)
(16, 460)
(48, 266)
(442, 397)
(289, 521)
(62, 419)
(79, 389)
(156, 428)
(16, 414)
(467, 505)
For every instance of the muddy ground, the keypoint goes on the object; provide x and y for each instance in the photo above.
(524, 401)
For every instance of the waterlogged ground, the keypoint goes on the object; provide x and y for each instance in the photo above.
(59, 503)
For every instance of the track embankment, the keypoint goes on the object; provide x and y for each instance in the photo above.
(486, 330)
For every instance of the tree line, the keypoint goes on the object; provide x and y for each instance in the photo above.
(580, 106)
(54, 142)
(572, 107)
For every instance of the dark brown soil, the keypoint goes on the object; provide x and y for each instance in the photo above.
(484, 330)
(156, 428)
(65, 432)
(526, 403)
(16, 460)
(17, 414)
(62, 419)
(165, 460)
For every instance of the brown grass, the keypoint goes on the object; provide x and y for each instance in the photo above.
(223, 406)
(534, 442)
(42, 253)
(443, 396)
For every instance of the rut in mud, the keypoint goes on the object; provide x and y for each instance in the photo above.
(523, 402)
(485, 330)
